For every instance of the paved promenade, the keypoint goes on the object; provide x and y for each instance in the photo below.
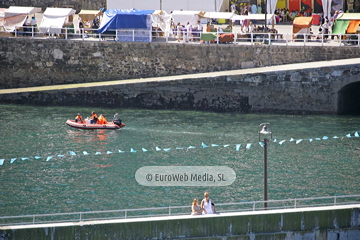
(167, 218)
(324, 222)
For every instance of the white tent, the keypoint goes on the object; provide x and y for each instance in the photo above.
(348, 16)
(89, 15)
(2, 16)
(252, 17)
(219, 15)
(161, 19)
(54, 19)
(183, 17)
(14, 17)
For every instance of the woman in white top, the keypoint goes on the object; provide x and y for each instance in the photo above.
(178, 31)
(207, 205)
(188, 31)
(325, 28)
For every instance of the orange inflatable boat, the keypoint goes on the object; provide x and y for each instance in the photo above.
(90, 126)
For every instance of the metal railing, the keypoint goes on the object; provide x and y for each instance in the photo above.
(176, 210)
(241, 38)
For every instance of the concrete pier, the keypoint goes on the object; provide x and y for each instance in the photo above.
(312, 223)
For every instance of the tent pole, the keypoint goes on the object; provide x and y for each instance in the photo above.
(272, 18)
(265, 15)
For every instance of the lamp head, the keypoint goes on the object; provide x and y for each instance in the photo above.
(265, 129)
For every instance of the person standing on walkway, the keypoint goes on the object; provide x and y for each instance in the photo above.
(188, 32)
(207, 205)
(325, 29)
(199, 30)
(178, 31)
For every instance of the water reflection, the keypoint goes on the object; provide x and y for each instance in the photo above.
(89, 136)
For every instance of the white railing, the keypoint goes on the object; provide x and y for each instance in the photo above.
(195, 37)
(177, 210)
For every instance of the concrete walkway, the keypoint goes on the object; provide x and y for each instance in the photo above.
(167, 218)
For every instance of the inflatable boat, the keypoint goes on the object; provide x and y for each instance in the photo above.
(89, 126)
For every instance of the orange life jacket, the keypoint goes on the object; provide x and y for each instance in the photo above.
(102, 120)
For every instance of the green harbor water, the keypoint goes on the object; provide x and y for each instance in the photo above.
(105, 179)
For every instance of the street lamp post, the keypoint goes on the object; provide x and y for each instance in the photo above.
(266, 132)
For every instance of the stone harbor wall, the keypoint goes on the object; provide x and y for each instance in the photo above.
(294, 89)
(26, 62)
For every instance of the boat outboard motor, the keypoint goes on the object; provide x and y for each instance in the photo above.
(117, 122)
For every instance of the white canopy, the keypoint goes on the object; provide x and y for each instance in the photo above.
(2, 16)
(186, 16)
(161, 19)
(252, 17)
(54, 19)
(15, 17)
(349, 16)
(219, 15)
(89, 15)
(23, 10)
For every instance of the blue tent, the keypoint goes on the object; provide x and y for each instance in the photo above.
(124, 18)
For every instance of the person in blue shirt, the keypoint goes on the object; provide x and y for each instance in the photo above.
(253, 9)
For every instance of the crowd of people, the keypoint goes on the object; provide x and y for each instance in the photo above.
(326, 26)
(188, 32)
(90, 24)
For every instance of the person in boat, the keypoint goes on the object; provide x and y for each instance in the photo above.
(102, 119)
(78, 118)
(116, 120)
(94, 118)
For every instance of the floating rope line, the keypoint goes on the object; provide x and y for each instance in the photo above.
(158, 149)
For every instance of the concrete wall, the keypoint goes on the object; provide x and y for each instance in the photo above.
(295, 89)
(324, 223)
(26, 62)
